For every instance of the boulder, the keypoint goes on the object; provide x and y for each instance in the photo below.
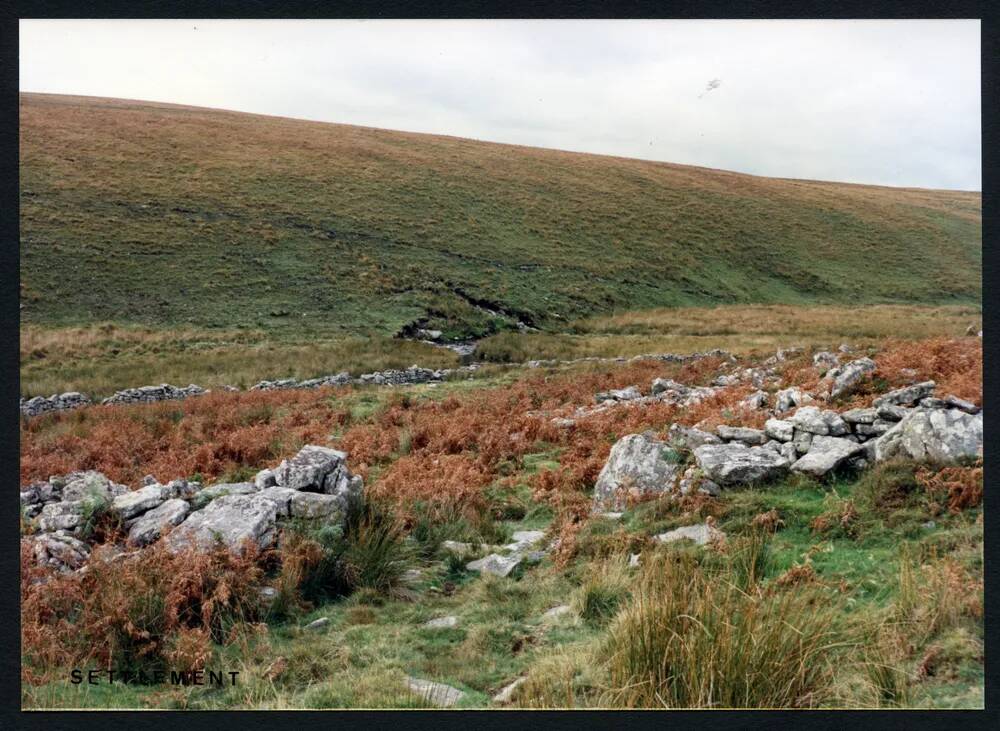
(264, 479)
(824, 360)
(756, 400)
(291, 503)
(750, 437)
(850, 376)
(207, 494)
(780, 429)
(507, 692)
(826, 454)
(941, 436)
(875, 429)
(309, 469)
(891, 412)
(150, 525)
(802, 441)
(737, 464)
(955, 402)
(230, 520)
(638, 464)
(929, 402)
(907, 396)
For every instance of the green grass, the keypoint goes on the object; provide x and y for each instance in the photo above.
(173, 216)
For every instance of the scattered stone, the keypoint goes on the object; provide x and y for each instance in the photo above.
(563, 423)
(750, 437)
(88, 485)
(507, 692)
(495, 564)
(755, 401)
(638, 464)
(789, 398)
(737, 464)
(701, 534)
(317, 624)
(824, 360)
(825, 455)
(442, 623)
(633, 560)
(850, 376)
(622, 394)
(822, 423)
(438, 694)
(457, 547)
(557, 612)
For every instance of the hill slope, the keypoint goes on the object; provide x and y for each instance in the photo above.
(169, 215)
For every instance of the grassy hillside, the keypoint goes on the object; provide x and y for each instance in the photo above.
(174, 216)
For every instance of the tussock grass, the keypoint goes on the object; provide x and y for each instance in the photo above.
(693, 639)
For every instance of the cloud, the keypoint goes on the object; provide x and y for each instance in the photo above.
(887, 102)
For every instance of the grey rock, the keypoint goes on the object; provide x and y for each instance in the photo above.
(859, 416)
(686, 437)
(824, 360)
(65, 515)
(802, 441)
(906, 396)
(622, 394)
(507, 692)
(318, 624)
(135, 503)
(942, 436)
(891, 412)
(89, 485)
(750, 437)
(59, 550)
(264, 479)
(737, 464)
(441, 623)
(825, 455)
(780, 429)
(207, 494)
(755, 401)
(457, 547)
(556, 612)
(789, 398)
(437, 694)
(150, 526)
(495, 564)
(637, 463)
(849, 376)
(955, 402)
(877, 429)
(701, 534)
(933, 403)
(309, 468)
(230, 520)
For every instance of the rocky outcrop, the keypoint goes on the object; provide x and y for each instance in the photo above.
(639, 464)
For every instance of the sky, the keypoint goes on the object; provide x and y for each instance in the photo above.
(882, 102)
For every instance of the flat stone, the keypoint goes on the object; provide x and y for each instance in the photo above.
(148, 527)
(556, 612)
(906, 396)
(891, 412)
(507, 692)
(701, 534)
(495, 564)
(825, 455)
(686, 437)
(859, 416)
(437, 694)
(137, 502)
(750, 437)
(441, 623)
(955, 402)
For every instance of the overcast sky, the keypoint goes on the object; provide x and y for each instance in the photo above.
(887, 102)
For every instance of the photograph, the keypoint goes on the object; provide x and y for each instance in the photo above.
(491, 364)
